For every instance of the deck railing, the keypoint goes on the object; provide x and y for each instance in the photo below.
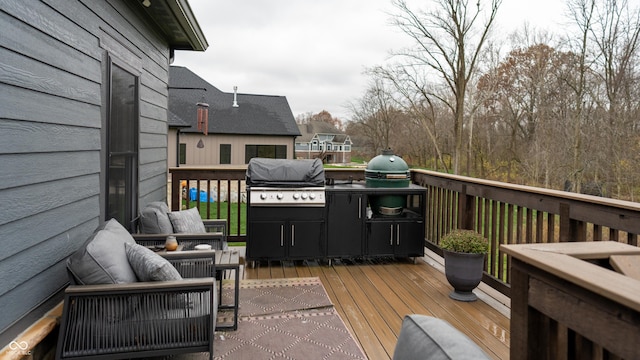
(504, 213)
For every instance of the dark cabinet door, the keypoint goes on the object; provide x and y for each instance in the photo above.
(380, 238)
(305, 239)
(268, 240)
(395, 238)
(409, 238)
(345, 220)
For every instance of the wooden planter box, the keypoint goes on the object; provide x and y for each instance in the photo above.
(568, 300)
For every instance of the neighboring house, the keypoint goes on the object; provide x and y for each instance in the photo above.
(83, 132)
(259, 126)
(323, 141)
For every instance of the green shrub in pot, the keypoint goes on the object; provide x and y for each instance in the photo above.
(465, 241)
(464, 257)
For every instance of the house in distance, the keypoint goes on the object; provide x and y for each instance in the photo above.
(322, 140)
(240, 126)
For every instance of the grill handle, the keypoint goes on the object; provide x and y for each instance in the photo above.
(391, 235)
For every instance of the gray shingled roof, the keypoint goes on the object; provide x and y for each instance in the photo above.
(256, 114)
(309, 129)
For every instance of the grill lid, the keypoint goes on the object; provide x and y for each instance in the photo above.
(285, 173)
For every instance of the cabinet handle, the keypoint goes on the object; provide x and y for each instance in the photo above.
(281, 235)
(359, 208)
(293, 235)
(398, 234)
(391, 235)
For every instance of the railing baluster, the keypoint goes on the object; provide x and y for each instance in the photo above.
(501, 239)
(539, 226)
(529, 226)
(551, 227)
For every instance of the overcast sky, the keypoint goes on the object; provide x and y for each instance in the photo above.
(314, 52)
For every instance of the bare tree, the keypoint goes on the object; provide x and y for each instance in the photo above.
(448, 43)
(582, 12)
(616, 32)
(374, 114)
(418, 103)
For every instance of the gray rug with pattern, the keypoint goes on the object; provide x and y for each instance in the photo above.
(286, 319)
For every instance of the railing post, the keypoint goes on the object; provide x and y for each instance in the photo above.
(175, 192)
(565, 222)
(571, 230)
(465, 209)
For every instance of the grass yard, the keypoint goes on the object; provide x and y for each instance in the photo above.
(224, 214)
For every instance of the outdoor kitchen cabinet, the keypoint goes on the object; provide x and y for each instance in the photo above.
(402, 237)
(353, 230)
(286, 239)
(345, 219)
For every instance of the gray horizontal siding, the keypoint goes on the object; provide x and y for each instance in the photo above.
(152, 155)
(35, 75)
(58, 54)
(34, 199)
(30, 137)
(34, 287)
(52, 66)
(37, 168)
(154, 188)
(27, 232)
(22, 267)
(24, 104)
(52, 22)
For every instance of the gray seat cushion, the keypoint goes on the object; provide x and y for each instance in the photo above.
(154, 219)
(187, 221)
(149, 266)
(426, 337)
(102, 258)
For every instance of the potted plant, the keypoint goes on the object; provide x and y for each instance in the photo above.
(464, 257)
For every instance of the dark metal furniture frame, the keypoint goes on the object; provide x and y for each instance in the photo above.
(115, 321)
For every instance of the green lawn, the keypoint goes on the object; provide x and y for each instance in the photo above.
(213, 214)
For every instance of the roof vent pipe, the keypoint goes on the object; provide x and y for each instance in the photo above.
(235, 96)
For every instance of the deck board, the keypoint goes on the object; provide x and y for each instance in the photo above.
(373, 296)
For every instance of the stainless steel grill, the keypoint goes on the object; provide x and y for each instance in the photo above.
(277, 196)
(286, 208)
(279, 182)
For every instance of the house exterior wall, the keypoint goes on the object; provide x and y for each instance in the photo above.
(339, 154)
(53, 66)
(210, 153)
(331, 157)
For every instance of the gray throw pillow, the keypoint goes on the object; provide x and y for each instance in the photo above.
(154, 219)
(426, 337)
(149, 266)
(187, 221)
(102, 258)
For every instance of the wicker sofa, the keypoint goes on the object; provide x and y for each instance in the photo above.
(126, 301)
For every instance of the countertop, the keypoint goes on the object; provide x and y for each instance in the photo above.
(360, 186)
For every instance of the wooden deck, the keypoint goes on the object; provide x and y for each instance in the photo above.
(373, 296)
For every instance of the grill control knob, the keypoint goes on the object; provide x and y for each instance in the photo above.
(263, 196)
(280, 196)
(296, 196)
(304, 196)
(312, 196)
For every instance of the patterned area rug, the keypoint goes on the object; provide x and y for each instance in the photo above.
(286, 319)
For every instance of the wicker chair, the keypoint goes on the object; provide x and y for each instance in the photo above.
(154, 226)
(138, 318)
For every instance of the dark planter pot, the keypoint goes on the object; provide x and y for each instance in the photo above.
(464, 273)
